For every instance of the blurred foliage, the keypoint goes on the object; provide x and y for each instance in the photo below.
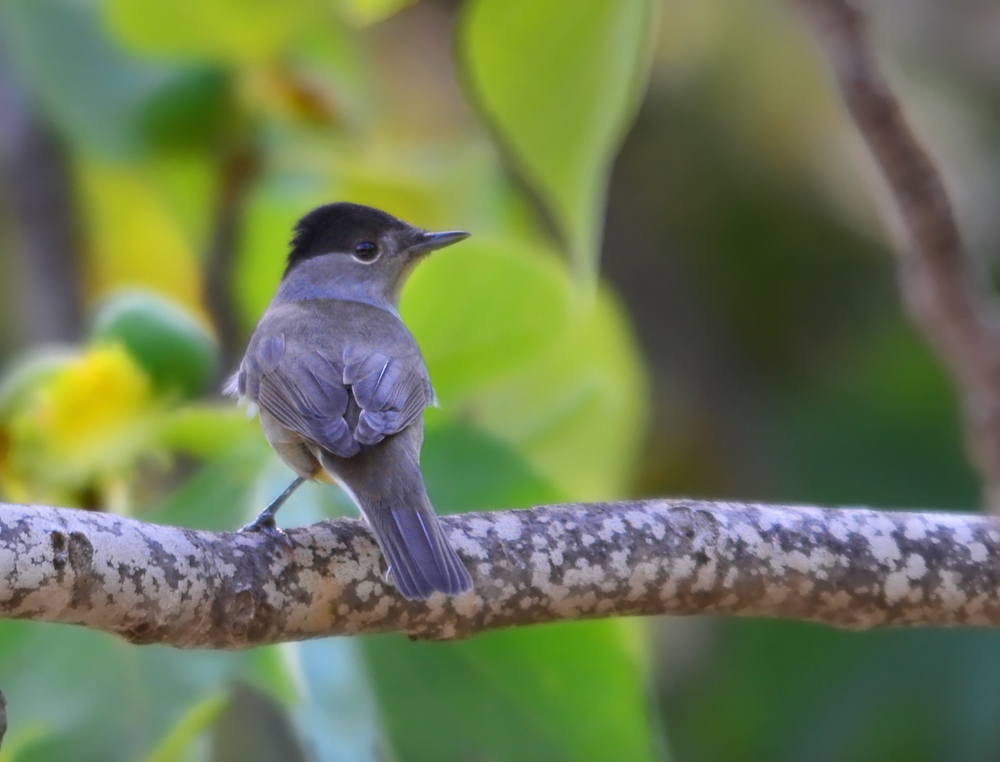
(542, 388)
(174, 349)
(560, 89)
(763, 347)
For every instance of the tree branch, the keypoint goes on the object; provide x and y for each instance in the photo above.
(157, 584)
(947, 295)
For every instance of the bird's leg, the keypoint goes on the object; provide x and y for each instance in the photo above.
(265, 521)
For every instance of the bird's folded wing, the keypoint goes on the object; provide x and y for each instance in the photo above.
(392, 392)
(305, 395)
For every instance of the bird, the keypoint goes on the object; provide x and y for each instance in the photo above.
(340, 385)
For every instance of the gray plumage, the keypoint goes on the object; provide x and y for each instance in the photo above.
(341, 384)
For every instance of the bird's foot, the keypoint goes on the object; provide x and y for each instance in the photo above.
(266, 525)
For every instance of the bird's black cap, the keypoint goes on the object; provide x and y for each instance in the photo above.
(338, 227)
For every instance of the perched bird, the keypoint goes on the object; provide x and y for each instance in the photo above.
(341, 385)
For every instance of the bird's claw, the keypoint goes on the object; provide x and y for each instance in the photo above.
(266, 525)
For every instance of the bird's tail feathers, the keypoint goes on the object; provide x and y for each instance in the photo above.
(421, 560)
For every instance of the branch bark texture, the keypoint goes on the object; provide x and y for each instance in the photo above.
(158, 584)
(947, 295)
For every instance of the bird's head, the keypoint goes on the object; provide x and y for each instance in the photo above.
(354, 252)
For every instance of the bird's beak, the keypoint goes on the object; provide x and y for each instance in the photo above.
(428, 242)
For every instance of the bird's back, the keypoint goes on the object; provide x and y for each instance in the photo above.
(330, 325)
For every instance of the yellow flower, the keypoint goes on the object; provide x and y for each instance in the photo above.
(93, 402)
(80, 430)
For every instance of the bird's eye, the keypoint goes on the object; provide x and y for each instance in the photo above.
(366, 251)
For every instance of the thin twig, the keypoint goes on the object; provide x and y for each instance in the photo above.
(947, 295)
(157, 584)
(238, 167)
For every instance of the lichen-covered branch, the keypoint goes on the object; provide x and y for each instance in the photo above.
(948, 296)
(157, 584)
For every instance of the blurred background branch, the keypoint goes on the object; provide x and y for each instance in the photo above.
(948, 296)
(36, 191)
(239, 163)
(158, 584)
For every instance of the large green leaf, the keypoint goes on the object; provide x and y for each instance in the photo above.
(555, 693)
(566, 692)
(560, 84)
(465, 470)
(176, 350)
(577, 412)
(483, 310)
(512, 346)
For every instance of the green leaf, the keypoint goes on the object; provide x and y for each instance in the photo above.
(574, 408)
(482, 310)
(206, 430)
(225, 31)
(365, 12)
(466, 469)
(560, 692)
(512, 346)
(577, 413)
(560, 85)
(176, 350)
(85, 696)
(190, 112)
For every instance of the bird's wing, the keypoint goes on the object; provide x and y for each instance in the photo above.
(392, 392)
(305, 394)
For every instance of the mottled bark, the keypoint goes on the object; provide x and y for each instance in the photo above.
(158, 584)
(947, 294)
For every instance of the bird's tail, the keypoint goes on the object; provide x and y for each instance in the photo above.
(420, 558)
(395, 504)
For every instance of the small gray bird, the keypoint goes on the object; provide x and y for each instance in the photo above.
(341, 385)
